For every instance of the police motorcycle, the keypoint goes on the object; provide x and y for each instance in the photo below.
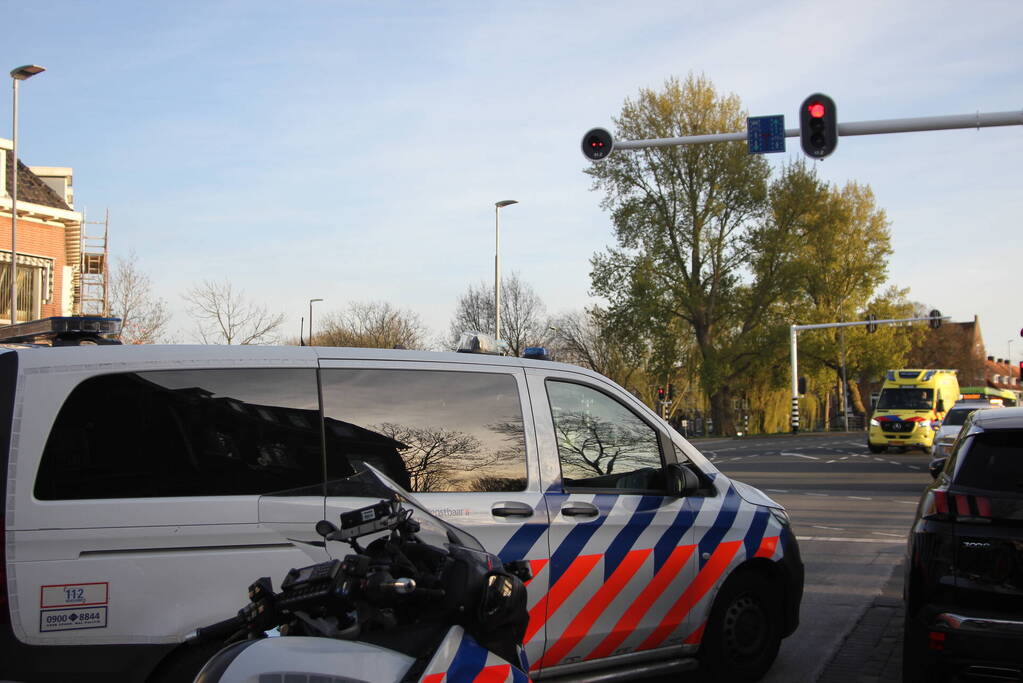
(395, 609)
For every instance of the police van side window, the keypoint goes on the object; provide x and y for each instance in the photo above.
(185, 433)
(601, 443)
(429, 430)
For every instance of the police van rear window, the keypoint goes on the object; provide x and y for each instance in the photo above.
(185, 433)
(994, 462)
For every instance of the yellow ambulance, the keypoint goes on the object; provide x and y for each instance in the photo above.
(910, 409)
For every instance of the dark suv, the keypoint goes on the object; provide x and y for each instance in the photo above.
(964, 574)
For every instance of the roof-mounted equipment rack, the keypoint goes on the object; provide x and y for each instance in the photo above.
(75, 330)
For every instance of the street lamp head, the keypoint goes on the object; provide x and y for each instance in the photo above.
(27, 71)
(314, 300)
(505, 202)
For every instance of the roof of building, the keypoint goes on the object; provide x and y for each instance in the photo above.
(31, 189)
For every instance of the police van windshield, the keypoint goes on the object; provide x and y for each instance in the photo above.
(958, 416)
(906, 399)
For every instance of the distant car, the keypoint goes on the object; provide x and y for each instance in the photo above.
(964, 569)
(953, 421)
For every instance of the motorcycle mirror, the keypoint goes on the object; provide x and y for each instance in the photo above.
(325, 528)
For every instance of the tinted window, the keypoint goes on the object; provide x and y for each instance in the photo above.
(185, 433)
(993, 461)
(957, 416)
(906, 399)
(429, 430)
(601, 443)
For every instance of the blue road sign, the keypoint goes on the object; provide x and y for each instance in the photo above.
(765, 134)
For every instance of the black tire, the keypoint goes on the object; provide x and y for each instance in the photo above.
(927, 450)
(876, 449)
(743, 633)
(918, 662)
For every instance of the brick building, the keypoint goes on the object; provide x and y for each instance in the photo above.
(48, 240)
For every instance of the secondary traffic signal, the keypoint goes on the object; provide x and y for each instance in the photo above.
(597, 144)
(818, 126)
(671, 392)
(660, 393)
(871, 325)
(935, 321)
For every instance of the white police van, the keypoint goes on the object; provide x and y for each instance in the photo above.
(144, 484)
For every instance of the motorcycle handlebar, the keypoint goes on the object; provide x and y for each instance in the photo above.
(218, 631)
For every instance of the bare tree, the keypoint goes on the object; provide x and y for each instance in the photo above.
(223, 315)
(524, 320)
(144, 316)
(437, 459)
(374, 325)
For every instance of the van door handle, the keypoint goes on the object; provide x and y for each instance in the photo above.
(511, 508)
(579, 510)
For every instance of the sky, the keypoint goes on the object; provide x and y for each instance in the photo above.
(353, 151)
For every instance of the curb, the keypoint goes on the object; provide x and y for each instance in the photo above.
(872, 651)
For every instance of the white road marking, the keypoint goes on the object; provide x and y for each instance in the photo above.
(830, 461)
(821, 495)
(844, 457)
(859, 498)
(881, 533)
(895, 462)
(777, 490)
(904, 502)
(913, 467)
(838, 539)
(800, 455)
(830, 528)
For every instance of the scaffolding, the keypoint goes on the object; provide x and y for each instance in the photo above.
(94, 270)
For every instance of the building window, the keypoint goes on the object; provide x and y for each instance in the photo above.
(35, 285)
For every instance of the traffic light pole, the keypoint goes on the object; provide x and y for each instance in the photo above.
(794, 331)
(911, 125)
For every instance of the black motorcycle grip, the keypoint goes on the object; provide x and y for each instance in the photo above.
(218, 631)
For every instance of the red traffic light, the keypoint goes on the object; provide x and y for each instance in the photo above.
(817, 110)
(597, 144)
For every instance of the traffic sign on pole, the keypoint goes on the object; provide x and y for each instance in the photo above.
(765, 134)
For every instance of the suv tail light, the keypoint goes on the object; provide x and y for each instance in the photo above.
(942, 505)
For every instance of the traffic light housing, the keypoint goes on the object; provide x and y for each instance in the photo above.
(935, 321)
(597, 144)
(818, 126)
(801, 386)
(660, 393)
(671, 392)
(871, 325)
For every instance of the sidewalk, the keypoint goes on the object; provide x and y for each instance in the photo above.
(872, 652)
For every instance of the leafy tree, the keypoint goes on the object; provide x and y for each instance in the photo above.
(222, 315)
(375, 325)
(144, 316)
(524, 320)
(705, 243)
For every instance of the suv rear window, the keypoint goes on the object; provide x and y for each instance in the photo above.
(958, 416)
(994, 461)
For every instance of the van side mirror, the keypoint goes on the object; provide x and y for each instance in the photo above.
(936, 466)
(681, 480)
(941, 405)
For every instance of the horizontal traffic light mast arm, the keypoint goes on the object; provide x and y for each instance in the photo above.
(920, 123)
(890, 321)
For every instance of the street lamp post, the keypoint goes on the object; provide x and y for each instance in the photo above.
(497, 263)
(311, 302)
(19, 74)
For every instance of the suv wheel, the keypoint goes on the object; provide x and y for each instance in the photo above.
(918, 665)
(743, 632)
(875, 449)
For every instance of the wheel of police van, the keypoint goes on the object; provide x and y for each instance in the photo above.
(743, 633)
(875, 449)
